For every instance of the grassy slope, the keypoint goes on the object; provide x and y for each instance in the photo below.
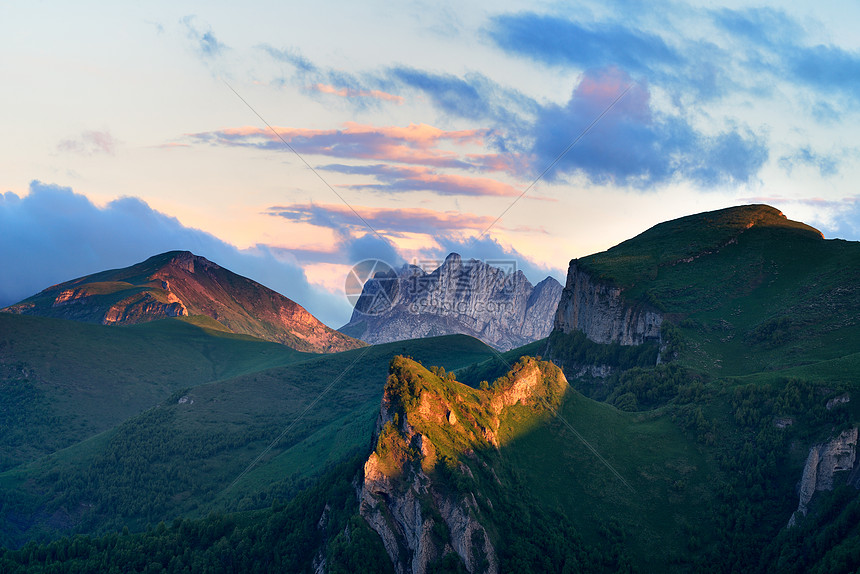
(179, 458)
(63, 381)
(662, 497)
(669, 474)
(751, 267)
(762, 310)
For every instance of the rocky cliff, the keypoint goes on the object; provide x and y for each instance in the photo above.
(178, 284)
(501, 308)
(427, 433)
(822, 463)
(600, 310)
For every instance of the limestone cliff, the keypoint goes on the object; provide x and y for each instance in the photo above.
(501, 308)
(427, 432)
(823, 461)
(600, 310)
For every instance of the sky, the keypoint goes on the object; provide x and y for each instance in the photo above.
(288, 142)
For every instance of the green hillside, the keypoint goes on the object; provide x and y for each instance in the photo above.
(651, 484)
(180, 457)
(64, 381)
(747, 289)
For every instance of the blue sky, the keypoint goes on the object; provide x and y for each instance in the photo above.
(421, 122)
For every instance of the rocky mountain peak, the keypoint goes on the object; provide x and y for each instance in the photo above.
(178, 284)
(429, 427)
(454, 260)
(493, 303)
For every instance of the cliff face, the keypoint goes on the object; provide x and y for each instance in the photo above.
(473, 298)
(823, 461)
(177, 284)
(600, 311)
(407, 518)
(429, 428)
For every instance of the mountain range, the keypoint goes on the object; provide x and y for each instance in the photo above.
(693, 408)
(498, 306)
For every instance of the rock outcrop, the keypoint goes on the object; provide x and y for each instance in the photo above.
(823, 461)
(427, 426)
(600, 311)
(407, 520)
(503, 309)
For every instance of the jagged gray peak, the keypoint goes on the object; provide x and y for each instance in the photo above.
(501, 308)
(600, 311)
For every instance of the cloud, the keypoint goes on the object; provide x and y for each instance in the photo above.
(370, 246)
(777, 42)
(415, 143)
(293, 57)
(491, 251)
(205, 42)
(384, 220)
(90, 143)
(560, 41)
(633, 145)
(758, 26)
(53, 235)
(826, 165)
(361, 91)
(419, 146)
(473, 97)
(847, 220)
(636, 145)
(397, 179)
(826, 68)
(449, 232)
(356, 93)
(712, 54)
(450, 93)
(690, 69)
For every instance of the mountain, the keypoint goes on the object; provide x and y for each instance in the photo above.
(181, 284)
(430, 431)
(503, 478)
(743, 289)
(695, 409)
(501, 308)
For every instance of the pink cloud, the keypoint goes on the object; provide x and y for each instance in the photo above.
(400, 179)
(90, 143)
(413, 144)
(599, 87)
(386, 220)
(411, 158)
(352, 93)
(461, 184)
